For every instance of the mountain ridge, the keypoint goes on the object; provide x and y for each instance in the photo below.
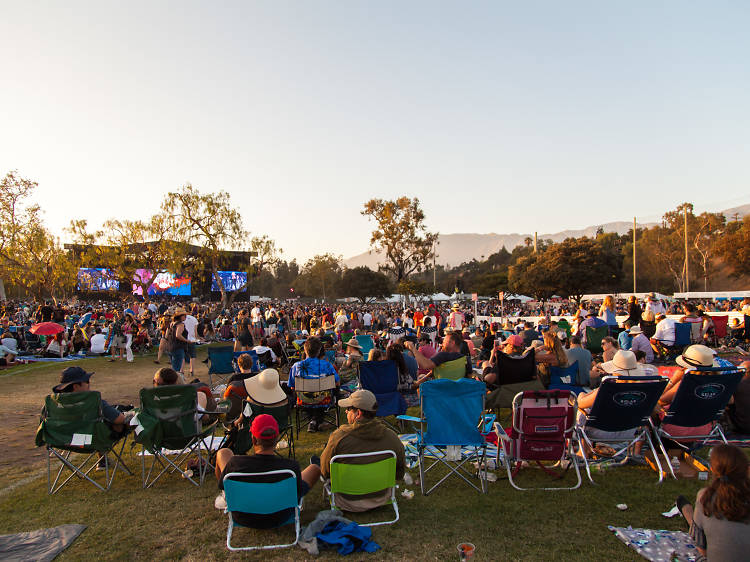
(457, 248)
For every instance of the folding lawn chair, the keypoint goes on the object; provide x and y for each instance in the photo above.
(328, 404)
(543, 429)
(700, 400)
(351, 476)
(366, 342)
(513, 370)
(594, 337)
(450, 415)
(565, 378)
(262, 493)
(282, 415)
(451, 370)
(623, 407)
(253, 355)
(720, 328)
(381, 378)
(72, 422)
(220, 368)
(169, 424)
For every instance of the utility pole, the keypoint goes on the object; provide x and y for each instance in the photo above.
(535, 242)
(634, 268)
(687, 275)
(434, 271)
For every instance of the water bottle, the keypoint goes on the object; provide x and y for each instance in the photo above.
(675, 462)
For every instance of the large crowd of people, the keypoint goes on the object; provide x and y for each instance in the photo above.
(315, 341)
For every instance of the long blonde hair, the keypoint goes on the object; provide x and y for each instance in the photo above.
(552, 343)
(609, 303)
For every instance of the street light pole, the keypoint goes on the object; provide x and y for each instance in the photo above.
(634, 267)
(687, 275)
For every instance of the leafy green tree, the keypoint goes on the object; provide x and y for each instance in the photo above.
(734, 247)
(401, 235)
(365, 284)
(320, 276)
(530, 276)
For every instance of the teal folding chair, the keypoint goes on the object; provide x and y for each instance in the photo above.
(376, 474)
(251, 493)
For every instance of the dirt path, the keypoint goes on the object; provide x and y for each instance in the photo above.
(24, 390)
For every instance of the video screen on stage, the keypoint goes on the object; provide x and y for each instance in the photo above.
(165, 283)
(232, 280)
(97, 279)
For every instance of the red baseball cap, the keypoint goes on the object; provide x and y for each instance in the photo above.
(264, 426)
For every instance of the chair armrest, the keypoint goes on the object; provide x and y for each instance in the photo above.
(410, 418)
(500, 432)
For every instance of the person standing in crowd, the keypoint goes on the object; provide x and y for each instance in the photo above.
(178, 339)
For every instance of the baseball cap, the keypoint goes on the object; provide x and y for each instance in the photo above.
(264, 426)
(72, 375)
(361, 399)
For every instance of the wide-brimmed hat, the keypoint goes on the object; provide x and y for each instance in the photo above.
(623, 363)
(179, 312)
(697, 356)
(635, 330)
(354, 342)
(455, 305)
(264, 387)
(71, 376)
(361, 399)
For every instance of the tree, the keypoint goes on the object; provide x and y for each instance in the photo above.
(210, 221)
(529, 276)
(365, 284)
(265, 255)
(30, 256)
(320, 276)
(581, 265)
(401, 235)
(707, 227)
(734, 247)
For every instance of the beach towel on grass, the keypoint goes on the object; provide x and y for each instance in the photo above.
(43, 544)
(658, 545)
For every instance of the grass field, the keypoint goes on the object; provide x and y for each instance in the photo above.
(175, 520)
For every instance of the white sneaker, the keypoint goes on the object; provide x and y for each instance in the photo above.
(220, 502)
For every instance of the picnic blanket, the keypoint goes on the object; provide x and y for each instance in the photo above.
(74, 357)
(43, 544)
(410, 440)
(658, 546)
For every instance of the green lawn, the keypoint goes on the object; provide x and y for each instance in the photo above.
(176, 520)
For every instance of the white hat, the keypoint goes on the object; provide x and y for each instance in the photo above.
(623, 363)
(635, 330)
(697, 356)
(264, 387)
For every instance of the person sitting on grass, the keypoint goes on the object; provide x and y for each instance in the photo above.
(265, 432)
(720, 521)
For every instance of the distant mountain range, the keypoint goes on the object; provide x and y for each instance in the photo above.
(455, 249)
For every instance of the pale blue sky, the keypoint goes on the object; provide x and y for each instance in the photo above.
(500, 116)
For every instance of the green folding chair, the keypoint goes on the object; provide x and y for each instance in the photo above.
(359, 474)
(72, 422)
(452, 370)
(169, 425)
(594, 337)
(282, 415)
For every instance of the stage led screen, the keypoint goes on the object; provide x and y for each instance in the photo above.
(97, 279)
(165, 283)
(232, 280)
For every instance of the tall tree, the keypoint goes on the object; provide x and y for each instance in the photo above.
(734, 247)
(208, 220)
(530, 276)
(401, 235)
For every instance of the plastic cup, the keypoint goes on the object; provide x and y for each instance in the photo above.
(466, 551)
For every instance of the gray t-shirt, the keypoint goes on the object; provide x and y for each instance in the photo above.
(722, 540)
(583, 356)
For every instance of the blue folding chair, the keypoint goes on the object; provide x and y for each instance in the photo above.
(381, 378)
(252, 493)
(683, 335)
(623, 404)
(220, 363)
(564, 378)
(700, 400)
(366, 342)
(254, 356)
(451, 414)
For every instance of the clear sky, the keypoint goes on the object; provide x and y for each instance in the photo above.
(500, 116)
